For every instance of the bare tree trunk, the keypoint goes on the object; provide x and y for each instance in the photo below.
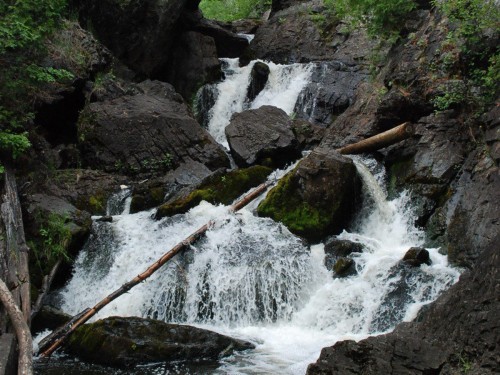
(17, 250)
(379, 141)
(25, 361)
(53, 341)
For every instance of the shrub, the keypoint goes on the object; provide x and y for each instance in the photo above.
(23, 27)
(230, 10)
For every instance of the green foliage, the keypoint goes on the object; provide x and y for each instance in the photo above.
(230, 10)
(23, 26)
(52, 243)
(468, 54)
(381, 17)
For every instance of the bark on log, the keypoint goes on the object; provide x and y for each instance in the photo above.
(17, 250)
(387, 138)
(25, 360)
(53, 341)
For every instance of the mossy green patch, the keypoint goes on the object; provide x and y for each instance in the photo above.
(218, 189)
(284, 204)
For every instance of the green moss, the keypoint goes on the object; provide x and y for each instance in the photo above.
(284, 204)
(97, 204)
(218, 189)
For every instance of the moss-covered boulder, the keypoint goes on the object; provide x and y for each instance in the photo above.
(316, 199)
(123, 342)
(217, 189)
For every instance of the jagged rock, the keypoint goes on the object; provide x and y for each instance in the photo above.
(258, 79)
(145, 133)
(330, 91)
(335, 249)
(259, 134)
(317, 198)
(292, 35)
(194, 62)
(216, 189)
(308, 135)
(123, 342)
(416, 256)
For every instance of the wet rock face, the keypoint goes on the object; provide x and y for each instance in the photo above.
(258, 80)
(130, 341)
(259, 134)
(336, 249)
(329, 93)
(316, 199)
(416, 256)
(150, 132)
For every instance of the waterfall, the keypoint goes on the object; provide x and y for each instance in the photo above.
(284, 84)
(250, 277)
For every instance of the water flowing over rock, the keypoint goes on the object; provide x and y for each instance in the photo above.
(330, 92)
(259, 134)
(147, 132)
(454, 332)
(318, 198)
(129, 341)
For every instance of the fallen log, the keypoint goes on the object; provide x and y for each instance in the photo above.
(56, 339)
(387, 138)
(23, 334)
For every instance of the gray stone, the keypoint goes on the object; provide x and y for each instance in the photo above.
(8, 363)
(258, 134)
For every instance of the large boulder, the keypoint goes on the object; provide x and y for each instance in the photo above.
(140, 33)
(150, 132)
(123, 342)
(259, 134)
(316, 199)
(216, 189)
(194, 62)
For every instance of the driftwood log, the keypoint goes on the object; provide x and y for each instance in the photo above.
(387, 138)
(55, 340)
(46, 283)
(23, 334)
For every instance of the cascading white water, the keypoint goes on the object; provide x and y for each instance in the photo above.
(251, 278)
(282, 89)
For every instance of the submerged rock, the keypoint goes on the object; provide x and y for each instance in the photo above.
(316, 199)
(416, 256)
(123, 342)
(337, 256)
(258, 79)
(216, 189)
(259, 134)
